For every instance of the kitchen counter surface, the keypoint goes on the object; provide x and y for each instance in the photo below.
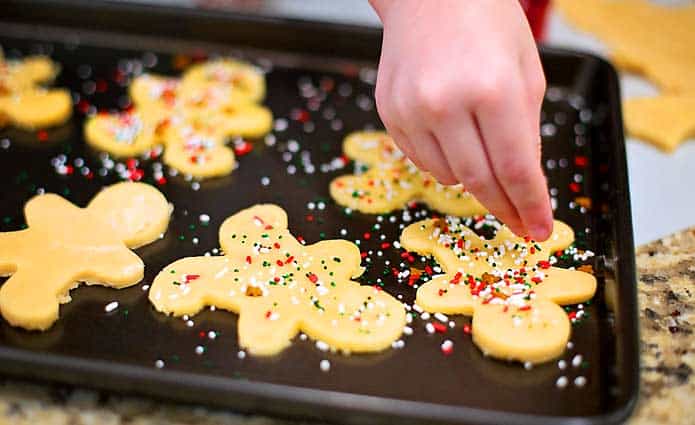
(667, 307)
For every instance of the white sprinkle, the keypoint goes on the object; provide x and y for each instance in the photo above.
(302, 337)
(265, 181)
(322, 346)
(195, 185)
(429, 327)
(190, 323)
(241, 354)
(570, 345)
(407, 330)
(425, 316)
(195, 241)
(561, 382)
(577, 360)
(199, 349)
(579, 381)
(528, 365)
(325, 365)
(204, 218)
(5, 143)
(159, 364)
(111, 306)
(145, 287)
(441, 317)
(562, 365)
(212, 334)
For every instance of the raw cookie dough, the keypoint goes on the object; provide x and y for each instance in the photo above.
(193, 117)
(23, 102)
(655, 41)
(280, 287)
(65, 245)
(391, 181)
(663, 120)
(506, 283)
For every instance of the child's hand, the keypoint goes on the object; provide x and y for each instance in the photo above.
(460, 87)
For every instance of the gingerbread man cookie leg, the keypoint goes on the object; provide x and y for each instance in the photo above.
(64, 245)
(279, 287)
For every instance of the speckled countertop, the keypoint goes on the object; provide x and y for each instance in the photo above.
(667, 303)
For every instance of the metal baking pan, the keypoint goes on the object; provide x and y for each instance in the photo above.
(118, 351)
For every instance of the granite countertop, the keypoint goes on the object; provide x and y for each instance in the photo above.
(666, 296)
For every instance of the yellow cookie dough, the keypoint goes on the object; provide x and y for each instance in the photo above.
(193, 117)
(280, 287)
(23, 102)
(655, 41)
(663, 120)
(506, 283)
(391, 181)
(65, 245)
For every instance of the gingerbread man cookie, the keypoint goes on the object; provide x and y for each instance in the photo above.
(506, 283)
(65, 245)
(193, 117)
(392, 180)
(280, 287)
(23, 102)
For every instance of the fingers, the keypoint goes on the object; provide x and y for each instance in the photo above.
(467, 158)
(389, 116)
(432, 156)
(506, 123)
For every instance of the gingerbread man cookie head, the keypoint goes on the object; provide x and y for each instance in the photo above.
(64, 245)
(279, 287)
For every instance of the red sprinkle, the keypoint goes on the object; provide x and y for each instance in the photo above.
(313, 278)
(467, 329)
(544, 264)
(574, 187)
(242, 148)
(457, 278)
(190, 277)
(42, 135)
(439, 327)
(248, 259)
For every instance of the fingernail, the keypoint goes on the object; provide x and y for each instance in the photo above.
(540, 232)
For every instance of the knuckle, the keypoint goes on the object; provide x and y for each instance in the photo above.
(474, 182)
(432, 97)
(515, 172)
(489, 91)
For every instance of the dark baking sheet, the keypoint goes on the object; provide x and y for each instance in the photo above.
(118, 350)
